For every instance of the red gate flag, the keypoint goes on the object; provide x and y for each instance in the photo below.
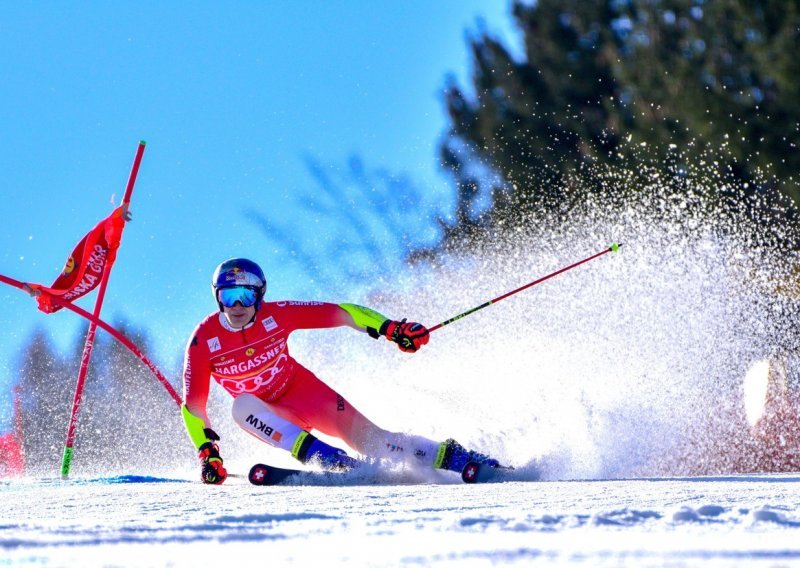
(84, 267)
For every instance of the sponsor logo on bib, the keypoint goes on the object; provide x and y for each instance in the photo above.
(269, 323)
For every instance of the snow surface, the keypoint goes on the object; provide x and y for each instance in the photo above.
(144, 521)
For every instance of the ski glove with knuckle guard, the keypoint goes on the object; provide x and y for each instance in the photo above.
(213, 472)
(409, 336)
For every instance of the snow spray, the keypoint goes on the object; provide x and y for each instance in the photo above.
(629, 366)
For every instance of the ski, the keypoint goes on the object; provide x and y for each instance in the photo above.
(263, 474)
(475, 472)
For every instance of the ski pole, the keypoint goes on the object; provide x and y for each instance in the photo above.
(613, 248)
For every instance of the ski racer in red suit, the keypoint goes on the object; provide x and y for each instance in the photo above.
(243, 347)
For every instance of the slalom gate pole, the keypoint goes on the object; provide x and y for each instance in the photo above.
(127, 343)
(66, 460)
(613, 248)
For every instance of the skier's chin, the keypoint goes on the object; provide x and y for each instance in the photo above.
(236, 319)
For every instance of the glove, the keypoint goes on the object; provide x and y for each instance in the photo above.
(213, 472)
(409, 336)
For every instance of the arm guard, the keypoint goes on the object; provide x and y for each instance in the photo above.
(198, 433)
(366, 319)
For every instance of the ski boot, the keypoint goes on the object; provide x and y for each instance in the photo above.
(453, 456)
(311, 449)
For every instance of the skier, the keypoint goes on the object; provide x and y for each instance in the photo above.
(244, 348)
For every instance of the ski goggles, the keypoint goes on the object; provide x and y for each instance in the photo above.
(246, 295)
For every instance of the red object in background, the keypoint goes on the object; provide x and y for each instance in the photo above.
(12, 460)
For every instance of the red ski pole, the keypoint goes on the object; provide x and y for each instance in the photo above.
(86, 357)
(613, 248)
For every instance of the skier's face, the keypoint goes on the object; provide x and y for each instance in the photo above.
(239, 316)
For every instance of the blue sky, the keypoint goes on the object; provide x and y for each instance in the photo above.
(232, 98)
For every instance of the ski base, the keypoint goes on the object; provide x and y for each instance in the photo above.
(475, 472)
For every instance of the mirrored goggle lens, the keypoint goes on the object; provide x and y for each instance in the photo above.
(245, 295)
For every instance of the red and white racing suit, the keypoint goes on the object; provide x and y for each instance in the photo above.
(256, 360)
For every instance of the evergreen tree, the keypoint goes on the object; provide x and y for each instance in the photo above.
(533, 122)
(719, 78)
(128, 423)
(720, 75)
(46, 404)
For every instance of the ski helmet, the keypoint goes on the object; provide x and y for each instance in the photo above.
(239, 272)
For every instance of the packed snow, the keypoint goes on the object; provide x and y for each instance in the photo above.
(128, 521)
